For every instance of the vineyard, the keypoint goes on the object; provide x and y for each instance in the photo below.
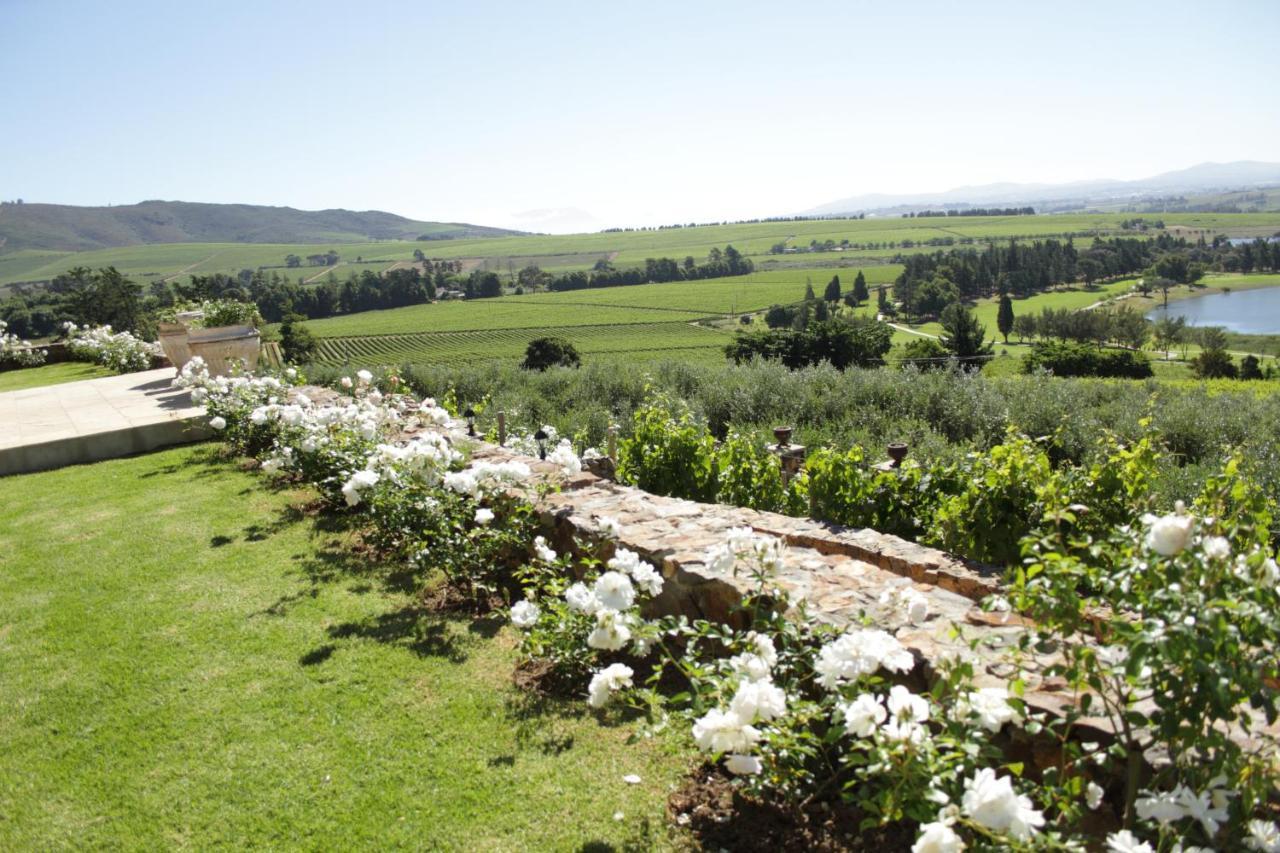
(647, 303)
(635, 341)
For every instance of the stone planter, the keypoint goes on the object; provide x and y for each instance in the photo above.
(225, 348)
(173, 340)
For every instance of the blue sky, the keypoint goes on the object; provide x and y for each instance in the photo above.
(628, 113)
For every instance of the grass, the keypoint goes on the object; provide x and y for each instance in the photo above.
(189, 662)
(50, 374)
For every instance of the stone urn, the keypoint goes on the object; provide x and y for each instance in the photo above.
(782, 435)
(897, 452)
(226, 348)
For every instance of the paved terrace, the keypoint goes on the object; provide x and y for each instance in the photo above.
(77, 422)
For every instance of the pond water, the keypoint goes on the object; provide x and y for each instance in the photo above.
(1253, 312)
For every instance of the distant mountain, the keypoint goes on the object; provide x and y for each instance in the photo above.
(60, 226)
(1244, 174)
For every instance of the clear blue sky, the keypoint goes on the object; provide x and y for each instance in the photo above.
(634, 113)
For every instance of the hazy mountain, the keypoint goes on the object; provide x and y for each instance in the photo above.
(60, 226)
(1244, 174)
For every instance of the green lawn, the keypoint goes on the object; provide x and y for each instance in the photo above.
(50, 374)
(189, 662)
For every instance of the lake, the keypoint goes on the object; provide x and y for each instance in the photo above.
(1252, 312)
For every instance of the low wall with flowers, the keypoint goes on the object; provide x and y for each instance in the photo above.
(820, 665)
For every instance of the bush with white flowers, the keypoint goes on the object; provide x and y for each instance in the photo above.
(17, 352)
(120, 351)
(1167, 629)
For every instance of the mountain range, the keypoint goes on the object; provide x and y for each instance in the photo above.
(69, 228)
(1205, 177)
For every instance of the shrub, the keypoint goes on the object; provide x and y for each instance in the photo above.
(18, 353)
(1067, 358)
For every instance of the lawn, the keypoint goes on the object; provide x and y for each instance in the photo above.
(189, 661)
(50, 374)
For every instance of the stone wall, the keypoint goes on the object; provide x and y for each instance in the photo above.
(838, 573)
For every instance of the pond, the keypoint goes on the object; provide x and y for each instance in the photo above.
(1252, 312)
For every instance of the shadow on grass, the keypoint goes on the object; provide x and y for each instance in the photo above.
(643, 837)
(414, 628)
(208, 460)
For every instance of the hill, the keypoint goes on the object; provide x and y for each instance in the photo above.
(70, 228)
(1244, 174)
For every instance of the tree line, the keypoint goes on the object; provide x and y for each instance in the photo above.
(719, 264)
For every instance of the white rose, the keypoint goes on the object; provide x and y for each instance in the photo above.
(743, 765)
(937, 837)
(484, 516)
(524, 614)
(1168, 535)
(218, 422)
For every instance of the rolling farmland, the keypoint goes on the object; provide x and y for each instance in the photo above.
(562, 253)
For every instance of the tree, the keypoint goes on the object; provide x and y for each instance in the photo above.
(543, 353)
(292, 261)
(882, 299)
(779, 317)
(925, 354)
(832, 293)
(1025, 326)
(821, 313)
(1214, 364)
(860, 292)
(1250, 368)
(532, 277)
(1004, 317)
(962, 334)
(808, 292)
(296, 340)
(1168, 332)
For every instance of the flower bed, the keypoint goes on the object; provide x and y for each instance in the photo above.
(118, 351)
(804, 712)
(18, 353)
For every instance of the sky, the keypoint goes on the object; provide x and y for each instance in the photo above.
(557, 116)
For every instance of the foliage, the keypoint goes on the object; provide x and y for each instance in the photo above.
(297, 342)
(962, 334)
(1184, 607)
(841, 343)
(544, 353)
(1064, 358)
(669, 453)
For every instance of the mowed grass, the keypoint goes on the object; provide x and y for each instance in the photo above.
(50, 374)
(189, 662)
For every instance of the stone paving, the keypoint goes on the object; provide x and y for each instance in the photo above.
(77, 422)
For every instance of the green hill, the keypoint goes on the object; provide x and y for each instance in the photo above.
(69, 228)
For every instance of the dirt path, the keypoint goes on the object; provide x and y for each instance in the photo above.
(325, 271)
(189, 267)
(911, 331)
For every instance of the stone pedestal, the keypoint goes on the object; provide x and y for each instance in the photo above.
(792, 457)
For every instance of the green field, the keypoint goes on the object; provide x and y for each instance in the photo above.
(645, 341)
(561, 253)
(649, 321)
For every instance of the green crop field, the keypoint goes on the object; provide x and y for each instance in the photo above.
(560, 253)
(644, 303)
(642, 341)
